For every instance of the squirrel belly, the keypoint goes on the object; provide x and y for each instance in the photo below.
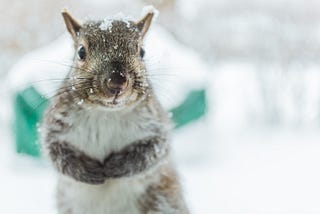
(133, 195)
(114, 196)
(99, 133)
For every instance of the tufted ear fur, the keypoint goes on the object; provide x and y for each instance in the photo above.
(72, 24)
(144, 23)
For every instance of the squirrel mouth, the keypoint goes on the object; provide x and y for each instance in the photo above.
(114, 101)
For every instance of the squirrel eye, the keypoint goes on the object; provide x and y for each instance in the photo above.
(81, 53)
(142, 52)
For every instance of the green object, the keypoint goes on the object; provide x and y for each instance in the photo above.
(29, 106)
(193, 107)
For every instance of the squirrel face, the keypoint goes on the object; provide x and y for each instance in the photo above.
(108, 67)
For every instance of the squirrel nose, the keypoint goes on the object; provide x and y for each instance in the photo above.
(117, 82)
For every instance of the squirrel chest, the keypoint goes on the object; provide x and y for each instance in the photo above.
(99, 133)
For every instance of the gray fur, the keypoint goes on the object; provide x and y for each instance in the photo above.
(136, 158)
(107, 146)
(71, 162)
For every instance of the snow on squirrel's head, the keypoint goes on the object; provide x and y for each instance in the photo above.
(108, 67)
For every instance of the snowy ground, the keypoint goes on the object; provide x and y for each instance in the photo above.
(252, 172)
(247, 173)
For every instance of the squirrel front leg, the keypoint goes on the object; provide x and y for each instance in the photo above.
(74, 163)
(136, 158)
(133, 159)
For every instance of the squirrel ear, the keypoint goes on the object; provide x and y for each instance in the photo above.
(73, 25)
(144, 23)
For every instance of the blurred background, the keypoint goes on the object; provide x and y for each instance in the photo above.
(254, 150)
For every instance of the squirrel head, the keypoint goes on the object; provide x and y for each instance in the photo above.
(108, 67)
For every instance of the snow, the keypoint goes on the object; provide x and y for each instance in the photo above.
(106, 24)
(80, 102)
(27, 185)
(44, 68)
(250, 172)
(173, 67)
(257, 150)
(150, 9)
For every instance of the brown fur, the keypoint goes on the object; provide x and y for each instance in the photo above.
(166, 190)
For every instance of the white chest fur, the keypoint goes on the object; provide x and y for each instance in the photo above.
(99, 133)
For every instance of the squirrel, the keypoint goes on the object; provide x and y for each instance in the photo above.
(105, 131)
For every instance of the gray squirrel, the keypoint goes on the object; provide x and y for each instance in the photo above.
(105, 131)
